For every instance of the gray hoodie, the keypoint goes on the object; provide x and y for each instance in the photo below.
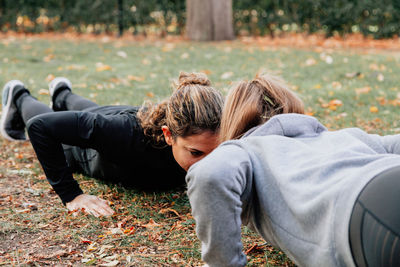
(291, 181)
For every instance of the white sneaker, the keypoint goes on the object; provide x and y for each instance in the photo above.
(56, 85)
(12, 127)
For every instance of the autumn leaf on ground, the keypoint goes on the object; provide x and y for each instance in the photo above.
(363, 90)
(207, 72)
(150, 94)
(185, 56)
(169, 210)
(151, 224)
(373, 109)
(102, 67)
(310, 62)
(136, 78)
(44, 92)
(122, 54)
(309, 112)
(76, 67)
(333, 104)
(146, 61)
(48, 58)
(226, 75)
(353, 74)
(49, 78)
(336, 85)
(168, 47)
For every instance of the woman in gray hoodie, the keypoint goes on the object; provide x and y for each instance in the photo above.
(325, 198)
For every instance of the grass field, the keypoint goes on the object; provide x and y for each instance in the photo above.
(342, 88)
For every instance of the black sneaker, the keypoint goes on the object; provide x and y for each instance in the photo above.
(12, 127)
(56, 86)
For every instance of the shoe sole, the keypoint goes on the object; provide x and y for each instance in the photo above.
(4, 113)
(53, 92)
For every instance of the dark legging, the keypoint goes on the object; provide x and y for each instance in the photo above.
(51, 132)
(29, 107)
(375, 222)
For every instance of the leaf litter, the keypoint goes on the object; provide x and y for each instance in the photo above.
(147, 230)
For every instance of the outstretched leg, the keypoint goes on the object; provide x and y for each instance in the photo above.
(63, 99)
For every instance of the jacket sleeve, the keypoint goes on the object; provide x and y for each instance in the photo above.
(391, 143)
(215, 188)
(47, 133)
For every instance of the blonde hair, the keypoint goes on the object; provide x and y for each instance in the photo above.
(251, 103)
(193, 107)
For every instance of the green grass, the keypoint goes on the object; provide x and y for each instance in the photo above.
(146, 73)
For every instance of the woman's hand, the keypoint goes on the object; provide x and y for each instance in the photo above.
(90, 204)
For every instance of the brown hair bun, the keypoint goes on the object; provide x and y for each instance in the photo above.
(193, 78)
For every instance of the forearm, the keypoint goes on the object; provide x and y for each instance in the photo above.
(46, 138)
(215, 188)
(218, 226)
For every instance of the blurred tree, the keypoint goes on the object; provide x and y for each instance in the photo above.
(209, 20)
(120, 17)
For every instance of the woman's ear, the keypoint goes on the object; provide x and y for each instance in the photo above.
(167, 135)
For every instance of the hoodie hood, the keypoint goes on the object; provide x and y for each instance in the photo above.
(290, 125)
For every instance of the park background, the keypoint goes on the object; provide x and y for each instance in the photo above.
(341, 57)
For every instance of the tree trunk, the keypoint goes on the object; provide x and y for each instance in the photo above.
(209, 20)
(120, 18)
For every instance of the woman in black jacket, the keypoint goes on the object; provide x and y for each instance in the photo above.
(149, 147)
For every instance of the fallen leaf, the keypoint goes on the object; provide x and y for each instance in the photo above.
(122, 54)
(185, 56)
(146, 61)
(135, 78)
(336, 85)
(207, 72)
(163, 211)
(111, 263)
(44, 92)
(102, 67)
(226, 75)
(91, 247)
(333, 104)
(373, 109)
(310, 62)
(352, 74)
(48, 58)
(151, 224)
(49, 78)
(363, 90)
(168, 47)
(328, 60)
(76, 67)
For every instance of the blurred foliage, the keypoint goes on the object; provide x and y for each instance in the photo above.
(380, 19)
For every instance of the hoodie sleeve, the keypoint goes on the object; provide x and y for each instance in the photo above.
(391, 143)
(381, 144)
(215, 188)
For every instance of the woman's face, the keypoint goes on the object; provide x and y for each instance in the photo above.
(190, 149)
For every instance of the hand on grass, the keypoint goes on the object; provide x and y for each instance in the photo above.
(90, 204)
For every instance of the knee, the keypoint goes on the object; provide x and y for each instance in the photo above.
(36, 124)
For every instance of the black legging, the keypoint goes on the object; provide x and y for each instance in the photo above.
(29, 107)
(375, 222)
(50, 131)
